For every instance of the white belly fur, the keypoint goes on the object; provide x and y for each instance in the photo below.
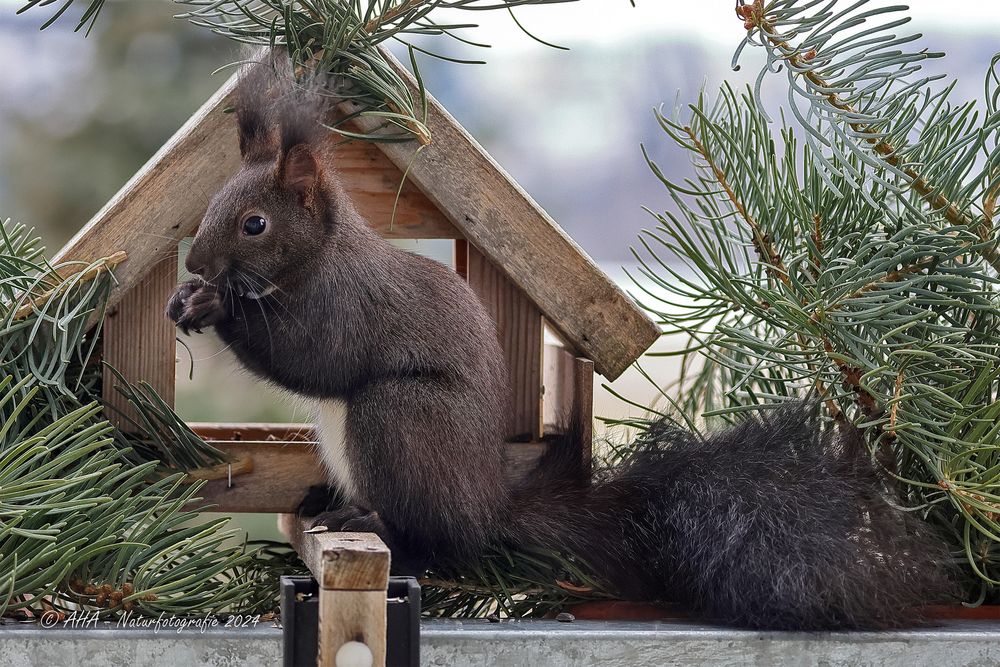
(331, 424)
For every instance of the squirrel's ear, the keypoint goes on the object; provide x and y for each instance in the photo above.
(298, 170)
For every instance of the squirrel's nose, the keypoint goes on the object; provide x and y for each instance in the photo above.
(194, 264)
(198, 264)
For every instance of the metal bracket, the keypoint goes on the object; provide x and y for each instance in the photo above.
(300, 621)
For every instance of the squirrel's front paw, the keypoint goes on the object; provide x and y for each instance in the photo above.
(195, 305)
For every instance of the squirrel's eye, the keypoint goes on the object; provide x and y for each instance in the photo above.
(254, 225)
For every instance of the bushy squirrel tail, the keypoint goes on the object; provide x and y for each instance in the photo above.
(769, 524)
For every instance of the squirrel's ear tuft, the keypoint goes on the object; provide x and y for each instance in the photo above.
(298, 170)
(259, 83)
(255, 137)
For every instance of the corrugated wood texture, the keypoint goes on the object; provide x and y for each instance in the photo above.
(372, 182)
(513, 232)
(519, 328)
(139, 341)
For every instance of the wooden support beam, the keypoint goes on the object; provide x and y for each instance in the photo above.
(278, 464)
(460, 258)
(519, 328)
(140, 342)
(514, 233)
(274, 477)
(353, 574)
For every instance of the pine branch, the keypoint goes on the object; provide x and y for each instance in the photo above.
(92, 518)
(79, 273)
(342, 37)
(888, 302)
(799, 61)
(762, 243)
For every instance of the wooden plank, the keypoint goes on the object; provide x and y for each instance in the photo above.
(351, 624)
(507, 226)
(583, 397)
(569, 393)
(353, 574)
(280, 474)
(252, 432)
(519, 328)
(139, 342)
(277, 463)
(165, 200)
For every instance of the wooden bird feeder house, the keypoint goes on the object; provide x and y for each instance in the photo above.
(528, 273)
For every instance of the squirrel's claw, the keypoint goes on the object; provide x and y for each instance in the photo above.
(195, 305)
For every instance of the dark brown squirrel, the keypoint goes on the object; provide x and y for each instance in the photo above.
(774, 523)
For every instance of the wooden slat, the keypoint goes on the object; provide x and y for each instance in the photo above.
(569, 389)
(507, 226)
(277, 465)
(280, 464)
(353, 574)
(365, 559)
(253, 432)
(372, 181)
(281, 474)
(519, 328)
(140, 342)
(165, 200)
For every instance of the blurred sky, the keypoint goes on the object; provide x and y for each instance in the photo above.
(608, 21)
(78, 115)
(567, 125)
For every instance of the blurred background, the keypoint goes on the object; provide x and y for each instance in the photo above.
(79, 115)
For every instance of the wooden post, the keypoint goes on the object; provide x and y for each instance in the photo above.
(353, 574)
(519, 327)
(569, 394)
(140, 342)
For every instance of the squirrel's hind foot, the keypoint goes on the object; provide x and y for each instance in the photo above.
(352, 519)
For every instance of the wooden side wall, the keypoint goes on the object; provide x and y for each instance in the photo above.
(519, 328)
(140, 341)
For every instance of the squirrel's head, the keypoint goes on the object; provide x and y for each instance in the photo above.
(270, 221)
